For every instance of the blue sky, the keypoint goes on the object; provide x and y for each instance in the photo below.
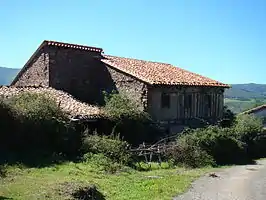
(224, 40)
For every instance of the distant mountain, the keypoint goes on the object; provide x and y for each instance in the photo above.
(246, 91)
(245, 96)
(7, 75)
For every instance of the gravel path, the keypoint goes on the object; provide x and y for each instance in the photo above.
(247, 182)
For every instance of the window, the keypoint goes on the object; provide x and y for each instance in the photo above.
(165, 100)
(188, 101)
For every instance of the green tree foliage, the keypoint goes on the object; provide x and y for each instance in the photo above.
(240, 142)
(120, 106)
(129, 120)
(248, 127)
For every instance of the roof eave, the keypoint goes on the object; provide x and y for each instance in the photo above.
(191, 85)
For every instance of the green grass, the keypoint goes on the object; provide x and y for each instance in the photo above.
(23, 183)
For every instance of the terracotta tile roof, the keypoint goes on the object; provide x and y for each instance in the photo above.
(73, 46)
(73, 107)
(159, 73)
(255, 109)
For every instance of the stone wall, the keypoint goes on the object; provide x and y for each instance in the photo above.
(82, 74)
(177, 111)
(130, 86)
(79, 73)
(36, 72)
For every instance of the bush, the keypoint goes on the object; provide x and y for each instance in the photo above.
(102, 162)
(118, 106)
(129, 120)
(8, 126)
(111, 147)
(239, 143)
(228, 118)
(42, 128)
(248, 129)
(220, 143)
(186, 153)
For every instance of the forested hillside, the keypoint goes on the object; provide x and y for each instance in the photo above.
(7, 75)
(245, 96)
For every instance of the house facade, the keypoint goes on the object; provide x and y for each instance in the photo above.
(171, 95)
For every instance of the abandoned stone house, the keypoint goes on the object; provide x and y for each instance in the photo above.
(171, 95)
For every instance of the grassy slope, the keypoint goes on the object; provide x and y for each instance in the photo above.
(42, 183)
(238, 106)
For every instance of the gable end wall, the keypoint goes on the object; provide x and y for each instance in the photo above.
(132, 87)
(82, 74)
(36, 72)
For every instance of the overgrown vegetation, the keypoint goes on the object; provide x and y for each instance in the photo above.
(129, 120)
(34, 130)
(33, 126)
(239, 143)
(110, 146)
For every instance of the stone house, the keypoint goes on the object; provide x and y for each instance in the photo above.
(171, 95)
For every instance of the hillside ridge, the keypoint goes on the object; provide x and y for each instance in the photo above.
(7, 75)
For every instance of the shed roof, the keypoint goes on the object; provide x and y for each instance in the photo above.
(73, 107)
(256, 109)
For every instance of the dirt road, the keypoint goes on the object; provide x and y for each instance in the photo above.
(247, 182)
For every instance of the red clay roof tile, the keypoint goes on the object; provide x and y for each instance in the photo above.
(73, 107)
(159, 73)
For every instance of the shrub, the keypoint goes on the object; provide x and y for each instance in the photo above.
(219, 143)
(186, 153)
(102, 162)
(118, 106)
(228, 118)
(111, 147)
(248, 129)
(8, 126)
(240, 143)
(129, 120)
(43, 128)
